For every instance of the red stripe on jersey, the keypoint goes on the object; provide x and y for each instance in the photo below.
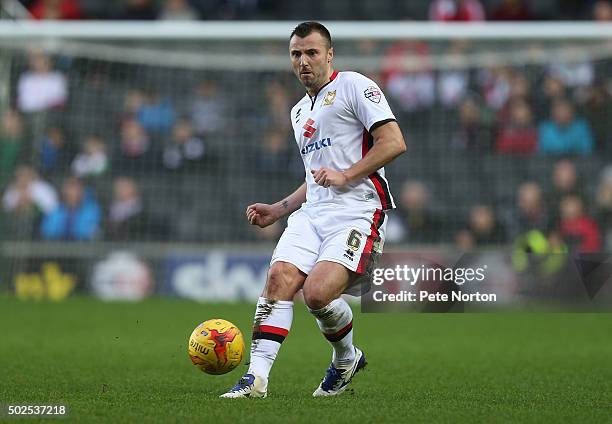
(333, 75)
(382, 189)
(385, 186)
(270, 329)
(367, 250)
(364, 143)
(367, 141)
(384, 200)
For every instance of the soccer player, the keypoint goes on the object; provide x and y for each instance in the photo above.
(346, 133)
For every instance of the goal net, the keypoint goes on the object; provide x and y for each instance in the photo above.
(166, 132)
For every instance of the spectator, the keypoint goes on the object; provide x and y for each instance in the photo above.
(578, 230)
(56, 9)
(25, 201)
(156, 115)
(519, 135)
(274, 155)
(413, 89)
(231, 10)
(530, 212)
(278, 103)
(464, 240)
(76, 218)
(474, 130)
(94, 100)
(553, 90)
(178, 10)
(597, 107)
(452, 84)
(452, 87)
(414, 221)
(41, 88)
(139, 10)
(134, 147)
(565, 182)
(55, 152)
(28, 191)
(495, 85)
(208, 109)
(564, 133)
(92, 160)
(574, 74)
(134, 100)
(126, 218)
(511, 10)
(519, 90)
(185, 150)
(572, 9)
(11, 143)
(484, 226)
(603, 204)
(520, 86)
(602, 11)
(456, 10)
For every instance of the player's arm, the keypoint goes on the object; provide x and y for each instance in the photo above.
(262, 215)
(388, 144)
(292, 202)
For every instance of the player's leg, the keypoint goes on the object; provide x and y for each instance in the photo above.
(294, 256)
(351, 241)
(322, 294)
(272, 322)
(273, 316)
(322, 290)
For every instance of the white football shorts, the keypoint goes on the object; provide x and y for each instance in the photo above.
(353, 238)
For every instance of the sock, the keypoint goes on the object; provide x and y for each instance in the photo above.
(270, 327)
(336, 323)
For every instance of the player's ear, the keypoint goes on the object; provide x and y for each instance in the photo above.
(330, 54)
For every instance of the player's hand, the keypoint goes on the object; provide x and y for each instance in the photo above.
(261, 214)
(326, 177)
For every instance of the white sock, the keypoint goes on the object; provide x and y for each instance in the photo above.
(270, 327)
(336, 323)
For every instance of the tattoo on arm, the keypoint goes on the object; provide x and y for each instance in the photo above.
(285, 204)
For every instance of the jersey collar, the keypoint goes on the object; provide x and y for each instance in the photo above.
(313, 99)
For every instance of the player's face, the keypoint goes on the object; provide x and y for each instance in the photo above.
(311, 60)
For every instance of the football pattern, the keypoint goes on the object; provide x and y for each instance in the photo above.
(216, 346)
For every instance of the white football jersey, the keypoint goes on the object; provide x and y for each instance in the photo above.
(333, 130)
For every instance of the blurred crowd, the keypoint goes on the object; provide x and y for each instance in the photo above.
(559, 211)
(97, 151)
(437, 10)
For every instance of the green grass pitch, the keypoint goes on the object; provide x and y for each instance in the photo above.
(117, 362)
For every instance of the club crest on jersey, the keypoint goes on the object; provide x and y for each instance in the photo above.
(329, 98)
(317, 145)
(372, 94)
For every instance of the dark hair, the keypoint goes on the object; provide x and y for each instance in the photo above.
(306, 28)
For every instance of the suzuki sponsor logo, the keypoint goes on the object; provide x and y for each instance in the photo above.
(317, 145)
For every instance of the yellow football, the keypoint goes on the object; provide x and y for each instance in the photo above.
(216, 346)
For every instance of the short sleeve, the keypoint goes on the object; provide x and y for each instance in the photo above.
(368, 102)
